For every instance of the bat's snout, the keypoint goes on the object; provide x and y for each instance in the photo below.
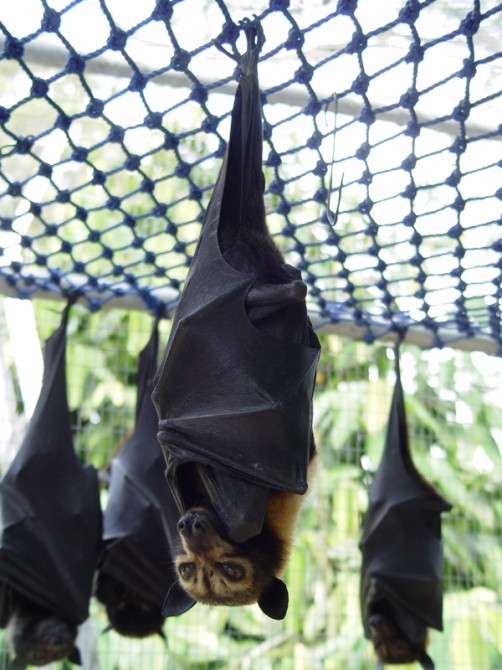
(191, 525)
(198, 531)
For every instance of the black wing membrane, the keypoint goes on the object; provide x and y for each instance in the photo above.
(401, 546)
(50, 524)
(234, 391)
(141, 515)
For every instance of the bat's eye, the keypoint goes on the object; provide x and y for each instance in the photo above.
(186, 570)
(233, 571)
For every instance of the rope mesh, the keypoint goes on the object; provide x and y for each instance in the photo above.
(113, 120)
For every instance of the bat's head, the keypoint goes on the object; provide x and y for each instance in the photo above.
(214, 570)
(128, 612)
(39, 641)
(391, 644)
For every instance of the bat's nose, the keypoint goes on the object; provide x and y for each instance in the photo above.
(190, 524)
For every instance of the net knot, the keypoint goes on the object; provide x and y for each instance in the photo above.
(304, 73)
(295, 39)
(95, 108)
(75, 64)
(113, 203)
(409, 99)
(117, 39)
(79, 154)
(138, 82)
(98, 177)
(367, 115)
(147, 185)
(163, 10)
(13, 48)
(357, 44)
(415, 53)
(39, 88)
(470, 25)
(15, 189)
(181, 60)
(346, 6)
(63, 122)
(361, 84)
(410, 12)
(51, 21)
(116, 134)
(278, 5)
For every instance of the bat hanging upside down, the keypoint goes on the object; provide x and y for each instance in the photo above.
(36, 636)
(401, 591)
(50, 527)
(234, 391)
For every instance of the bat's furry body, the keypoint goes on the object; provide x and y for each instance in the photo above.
(129, 613)
(37, 636)
(391, 644)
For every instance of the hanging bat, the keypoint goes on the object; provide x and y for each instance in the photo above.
(36, 636)
(234, 391)
(140, 521)
(50, 527)
(401, 591)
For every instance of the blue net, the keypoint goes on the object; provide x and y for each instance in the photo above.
(113, 122)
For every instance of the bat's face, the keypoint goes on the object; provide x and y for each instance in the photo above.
(128, 612)
(214, 570)
(40, 641)
(390, 643)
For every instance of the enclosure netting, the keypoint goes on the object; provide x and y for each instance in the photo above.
(113, 122)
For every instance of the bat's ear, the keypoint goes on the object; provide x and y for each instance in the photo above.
(177, 601)
(74, 657)
(274, 600)
(426, 661)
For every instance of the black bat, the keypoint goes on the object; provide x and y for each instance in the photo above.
(234, 391)
(50, 527)
(401, 590)
(136, 568)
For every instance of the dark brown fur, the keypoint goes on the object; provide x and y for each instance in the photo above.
(37, 637)
(391, 644)
(128, 612)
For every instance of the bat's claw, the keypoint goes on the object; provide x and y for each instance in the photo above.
(255, 38)
(254, 33)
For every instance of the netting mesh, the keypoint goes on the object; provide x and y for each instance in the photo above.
(113, 122)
